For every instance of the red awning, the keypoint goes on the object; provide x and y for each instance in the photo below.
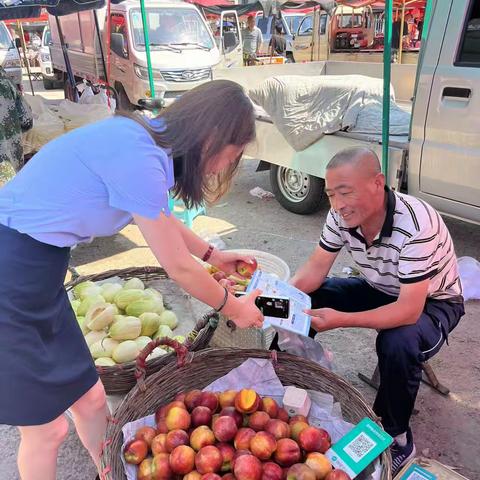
(300, 10)
(211, 3)
(380, 4)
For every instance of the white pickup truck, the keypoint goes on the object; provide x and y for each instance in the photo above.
(439, 160)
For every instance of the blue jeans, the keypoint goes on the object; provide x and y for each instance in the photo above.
(401, 350)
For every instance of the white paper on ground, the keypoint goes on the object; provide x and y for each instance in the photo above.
(261, 193)
(259, 375)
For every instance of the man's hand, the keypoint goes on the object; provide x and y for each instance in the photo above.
(324, 319)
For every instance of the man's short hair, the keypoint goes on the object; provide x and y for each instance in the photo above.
(353, 156)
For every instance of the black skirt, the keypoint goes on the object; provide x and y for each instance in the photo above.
(45, 364)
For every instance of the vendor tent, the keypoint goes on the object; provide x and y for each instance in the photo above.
(268, 7)
(32, 8)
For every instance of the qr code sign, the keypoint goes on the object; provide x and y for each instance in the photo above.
(359, 446)
(416, 476)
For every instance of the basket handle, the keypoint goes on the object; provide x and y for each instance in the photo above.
(210, 318)
(183, 356)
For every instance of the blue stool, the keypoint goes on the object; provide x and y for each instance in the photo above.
(177, 207)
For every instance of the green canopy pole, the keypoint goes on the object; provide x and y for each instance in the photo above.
(426, 20)
(147, 47)
(387, 56)
(426, 27)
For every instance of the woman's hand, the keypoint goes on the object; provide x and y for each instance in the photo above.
(227, 261)
(244, 312)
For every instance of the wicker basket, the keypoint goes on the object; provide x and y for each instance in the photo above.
(226, 334)
(199, 369)
(120, 378)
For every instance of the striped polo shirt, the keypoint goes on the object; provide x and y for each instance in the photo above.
(414, 244)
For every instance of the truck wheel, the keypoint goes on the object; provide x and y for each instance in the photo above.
(69, 91)
(48, 84)
(290, 58)
(296, 191)
(123, 100)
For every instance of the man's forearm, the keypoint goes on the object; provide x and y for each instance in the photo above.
(393, 315)
(307, 278)
(313, 273)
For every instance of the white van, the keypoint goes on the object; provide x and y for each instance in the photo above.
(9, 59)
(183, 50)
(46, 67)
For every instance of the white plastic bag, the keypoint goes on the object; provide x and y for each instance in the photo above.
(469, 270)
(86, 96)
(46, 127)
(36, 103)
(305, 347)
(76, 115)
(90, 98)
(212, 238)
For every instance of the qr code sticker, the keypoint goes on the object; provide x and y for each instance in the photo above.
(359, 447)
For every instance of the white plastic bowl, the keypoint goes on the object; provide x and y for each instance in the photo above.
(268, 262)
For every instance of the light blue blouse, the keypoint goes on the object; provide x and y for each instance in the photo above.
(88, 183)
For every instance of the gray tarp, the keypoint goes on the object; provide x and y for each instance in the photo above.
(306, 108)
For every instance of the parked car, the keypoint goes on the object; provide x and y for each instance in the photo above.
(9, 58)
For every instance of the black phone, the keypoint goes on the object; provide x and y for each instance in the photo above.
(278, 307)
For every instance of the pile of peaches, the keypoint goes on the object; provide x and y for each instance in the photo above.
(235, 283)
(227, 436)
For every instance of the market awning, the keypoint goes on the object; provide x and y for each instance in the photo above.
(267, 6)
(43, 17)
(381, 4)
(211, 3)
(18, 9)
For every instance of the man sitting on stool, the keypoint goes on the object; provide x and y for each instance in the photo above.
(408, 290)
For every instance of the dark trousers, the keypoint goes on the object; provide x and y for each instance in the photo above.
(401, 350)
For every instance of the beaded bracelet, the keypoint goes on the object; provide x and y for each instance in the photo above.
(208, 253)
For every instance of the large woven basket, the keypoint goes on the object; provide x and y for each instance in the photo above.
(120, 378)
(226, 334)
(199, 369)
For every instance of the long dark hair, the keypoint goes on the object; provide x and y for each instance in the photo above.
(199, 125)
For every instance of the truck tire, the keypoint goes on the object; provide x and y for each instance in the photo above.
(297, 192)
(48, 84)
(68, 91)
(290, 58)
(123, 100)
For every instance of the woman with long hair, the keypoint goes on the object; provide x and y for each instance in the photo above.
(92, 182)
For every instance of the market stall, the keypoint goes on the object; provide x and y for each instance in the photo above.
(23, 9)
(29, 32)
